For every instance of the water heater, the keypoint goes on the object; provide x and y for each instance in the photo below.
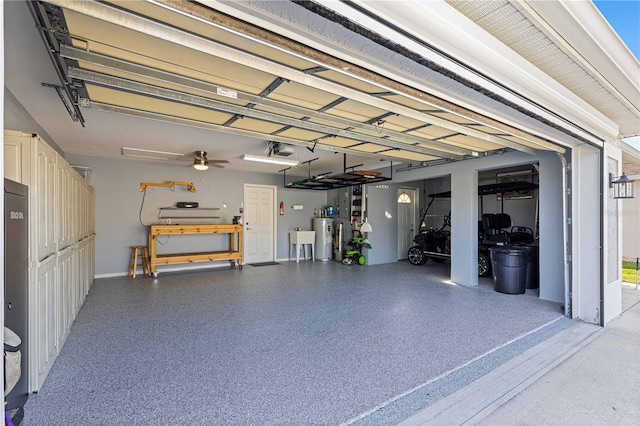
(324, 237)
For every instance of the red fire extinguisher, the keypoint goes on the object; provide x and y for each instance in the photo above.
(281, 208)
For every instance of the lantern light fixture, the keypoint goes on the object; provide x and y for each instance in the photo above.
(622, 186)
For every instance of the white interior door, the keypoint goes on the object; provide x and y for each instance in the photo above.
(406, 220)
(259, 223)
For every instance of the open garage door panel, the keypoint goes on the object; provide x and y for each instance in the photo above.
(187, 63)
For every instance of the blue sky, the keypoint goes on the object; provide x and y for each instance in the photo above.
(624, 17)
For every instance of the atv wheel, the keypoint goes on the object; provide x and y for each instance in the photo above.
(416, 256)
(484, 265)
(362, 260)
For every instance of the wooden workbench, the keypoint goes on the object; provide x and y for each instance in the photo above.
(233, 255)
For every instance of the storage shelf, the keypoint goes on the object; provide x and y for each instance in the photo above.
(189, 208)
(189, 217)
(340, 180)
(176, 259)
(190, 211)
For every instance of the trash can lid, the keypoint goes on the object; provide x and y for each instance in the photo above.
(508, 249)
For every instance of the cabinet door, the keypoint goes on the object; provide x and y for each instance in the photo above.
(42, 199)
(64, 316)
(61, 202)
(45, 187)
(53, 205)
(45, 319)
(16, 156)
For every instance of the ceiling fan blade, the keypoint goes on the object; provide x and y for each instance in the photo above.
(218, 161)
(215, 165)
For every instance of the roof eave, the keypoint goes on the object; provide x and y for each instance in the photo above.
(584, 34)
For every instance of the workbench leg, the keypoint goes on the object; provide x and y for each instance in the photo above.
(152, 254)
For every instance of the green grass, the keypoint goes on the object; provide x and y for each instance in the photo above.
(629, 271)
(629, 275)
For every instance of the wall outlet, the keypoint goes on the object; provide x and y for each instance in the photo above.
(168, 221)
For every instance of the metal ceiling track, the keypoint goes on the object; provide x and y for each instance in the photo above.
(218, 14)
(171, 34)
(99, 106)
(212, 89)
(84, 56)
(203, 102)
(44, 26)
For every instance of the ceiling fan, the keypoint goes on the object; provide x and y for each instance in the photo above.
(201, 162)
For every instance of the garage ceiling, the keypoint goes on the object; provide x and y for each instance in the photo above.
(186, 64)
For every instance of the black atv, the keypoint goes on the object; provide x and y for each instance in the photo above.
(432, 243)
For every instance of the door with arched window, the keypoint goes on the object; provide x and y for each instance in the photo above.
(406, 220)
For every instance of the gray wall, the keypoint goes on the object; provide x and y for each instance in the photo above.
(119, 201)
(18, 118)
(382, 214)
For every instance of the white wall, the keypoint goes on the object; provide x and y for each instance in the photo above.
(612, 238)
(586, 206)
(118, 202)
(551, 228)
(464, 226)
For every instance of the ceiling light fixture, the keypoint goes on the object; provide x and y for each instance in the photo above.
(200, 164)
(200, 161)
(270, 160)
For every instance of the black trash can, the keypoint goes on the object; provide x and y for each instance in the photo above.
(532, 276)
(509, 269)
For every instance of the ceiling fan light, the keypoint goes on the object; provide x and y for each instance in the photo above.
(200, 164)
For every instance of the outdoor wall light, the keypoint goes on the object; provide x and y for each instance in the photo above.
(622, 186)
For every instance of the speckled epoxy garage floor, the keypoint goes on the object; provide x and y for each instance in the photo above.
(293, 344)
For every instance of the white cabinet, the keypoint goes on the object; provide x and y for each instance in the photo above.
(14, 156)
(65, 310)
(61, 232)
(43, 319)
(45, 186)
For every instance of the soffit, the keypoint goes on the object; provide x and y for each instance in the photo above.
(630, 160)
(324, 106)
(506, 21)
